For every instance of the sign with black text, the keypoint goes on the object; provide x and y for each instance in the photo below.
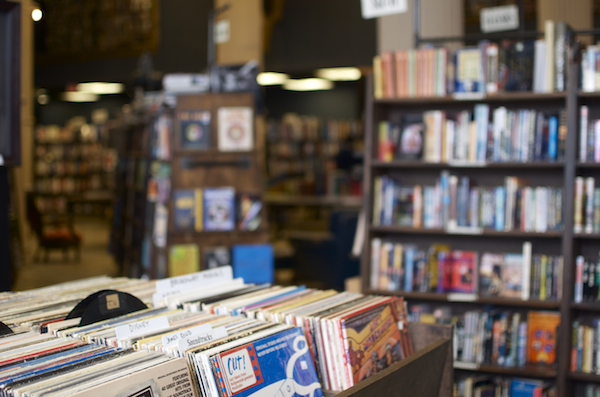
(498, 19)
(379, 8)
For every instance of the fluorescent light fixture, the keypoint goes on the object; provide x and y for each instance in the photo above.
(272, 78)
(312, 84)
(77, 96)
(339, 74)
(36, 14)
(100, 88)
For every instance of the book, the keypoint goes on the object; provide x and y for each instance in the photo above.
(468, 70)
(541, 338)
(261, 369)
(213, 257)
(219, 209)
(249, 211)
(410, 146)
(194, 128)
(512, 276)
(516, 65)
(464, 271)
(490, 274)
(254, 263)
(236, 131)
(188, 209)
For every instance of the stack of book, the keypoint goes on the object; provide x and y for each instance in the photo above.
(454, 203)
(485, 385)
(408, 268)
(587, 206)
(585, 354)
(302, 153)
(587, 279)
(488, 68)
(469, 137)
(506, 338)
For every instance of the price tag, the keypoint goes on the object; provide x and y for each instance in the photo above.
(465, 230)
(173, 338)
(200, 339)
(466, 365)
(462, 297)
(139, 328)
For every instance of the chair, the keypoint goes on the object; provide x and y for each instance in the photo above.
(58, 238)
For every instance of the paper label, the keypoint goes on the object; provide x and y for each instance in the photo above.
(199, 339)
(222, 31)
(139, 328)
(173, 338)
(498, 19)
(379, 8)
(461, 297)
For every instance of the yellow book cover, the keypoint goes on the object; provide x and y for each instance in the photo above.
(184, 259)
(434, 250)
(373, 341)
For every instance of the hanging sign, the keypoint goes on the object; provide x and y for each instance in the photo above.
(498, 19)
(379, 8)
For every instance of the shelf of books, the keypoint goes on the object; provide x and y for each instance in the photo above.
(482, 207)
(71, 161)
(207, 333)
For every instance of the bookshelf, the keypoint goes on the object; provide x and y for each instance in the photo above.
(558, 174)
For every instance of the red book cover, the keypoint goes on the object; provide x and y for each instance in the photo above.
(387, 65)
(464, 271)
(399, 58)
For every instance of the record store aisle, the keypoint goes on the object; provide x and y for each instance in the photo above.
(95, 259)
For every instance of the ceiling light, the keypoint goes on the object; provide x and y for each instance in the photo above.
(77, 96)
(272, 78)
(100, 88)
(36, 15)
(43, 99)
(308, 84)
(339, 74)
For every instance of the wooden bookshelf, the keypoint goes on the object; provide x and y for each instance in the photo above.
(586, 306)
(530, 370)
(558, 174)
(583, 377)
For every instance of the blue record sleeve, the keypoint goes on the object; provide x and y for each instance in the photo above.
(254, 263)
(279, 364)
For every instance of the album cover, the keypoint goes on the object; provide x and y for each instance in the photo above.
(194, 129)
(236, 129)
(216, 257)
(249, 212)
(219, 209)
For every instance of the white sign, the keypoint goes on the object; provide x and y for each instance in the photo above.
(132, 330)
(222, 31)
(200, 339)
(498, 19)
(379, 8)
(238, 370)
(173, 338)
(201, 279)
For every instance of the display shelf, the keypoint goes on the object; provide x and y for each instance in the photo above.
(529, 370)
(586, 306)
(500, 97)
(589, 236)
(462, 232)
(588, 165)
(470, 298)
(341, 201)
(583, 377)
(377, 164)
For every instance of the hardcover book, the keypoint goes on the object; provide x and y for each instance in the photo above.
(249, 211)
(236, 129)
(279, 364)
(469, 73)
(184, 259)
(410, 145)
(464, 271)
(516, 65)
(194, 129)
(512, 276)
(219, 209)
(187, 204)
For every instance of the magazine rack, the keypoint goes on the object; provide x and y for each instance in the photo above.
(426, 373)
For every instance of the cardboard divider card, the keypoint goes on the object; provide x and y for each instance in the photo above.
(173, 338)
(143, 327)
(177, 285)
(198, 339)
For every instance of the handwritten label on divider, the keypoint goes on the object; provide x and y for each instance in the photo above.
(176, 285)
(200, 339)
(144, 327)
(173, 338)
